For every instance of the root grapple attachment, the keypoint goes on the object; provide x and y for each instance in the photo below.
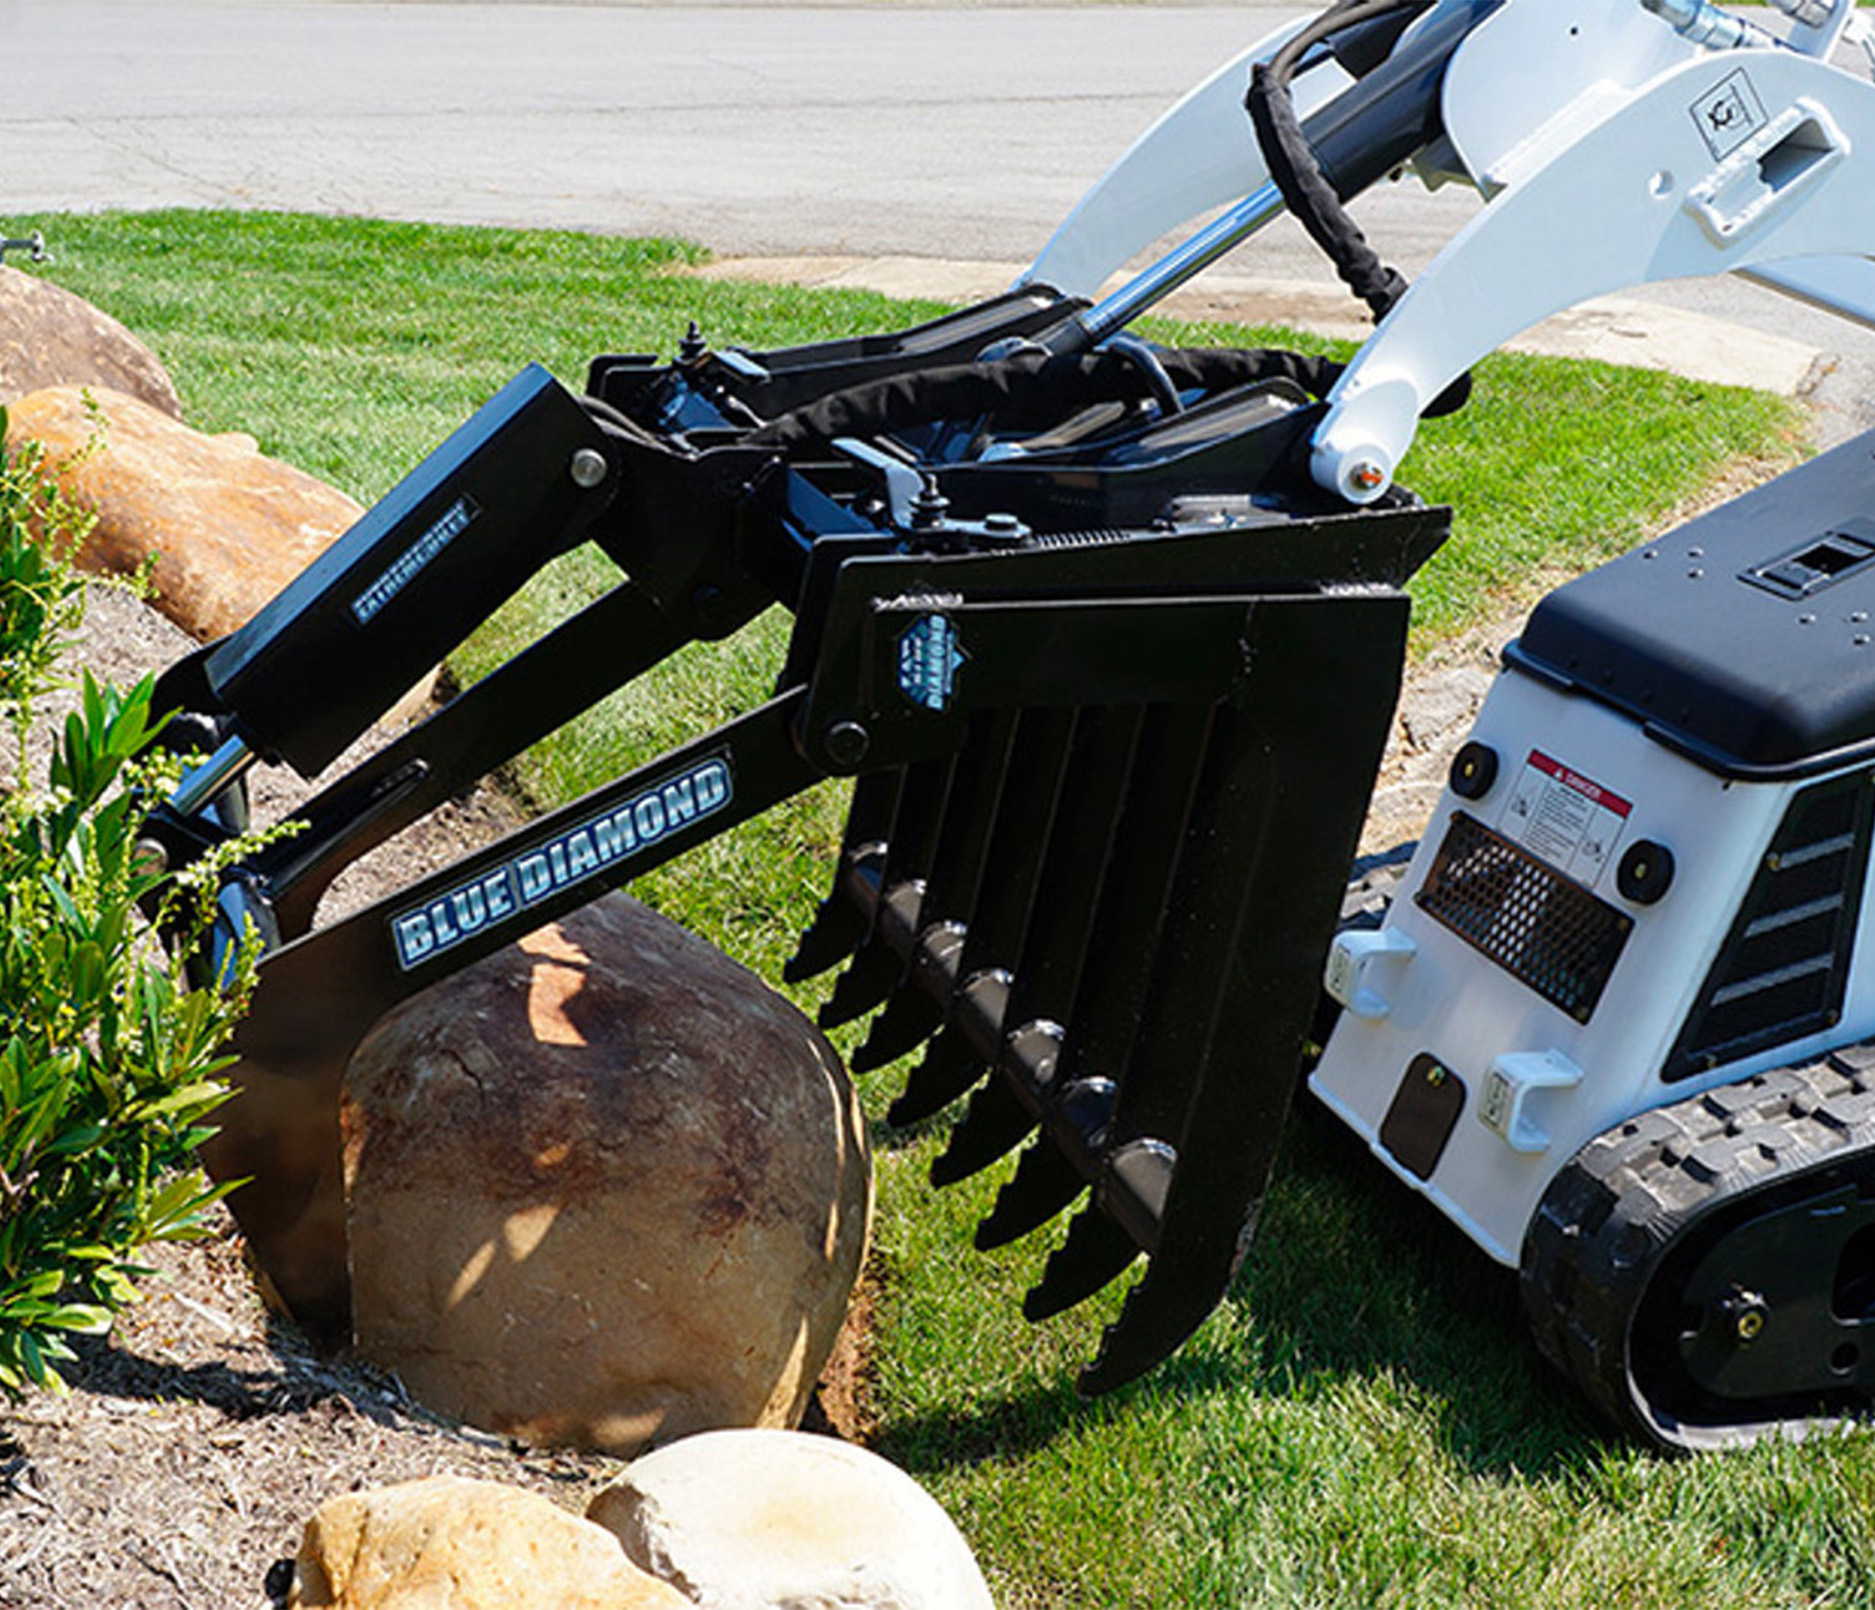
(1104, 918)
(1111, 676)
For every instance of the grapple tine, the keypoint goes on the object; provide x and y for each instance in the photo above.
(1074, 868)
(866, 982)
(1026, 820)
(1111, 988)
(1045, 1181)
(916, 1006)
(1068, 894)
(844, 918)
(1110, 993)
(908, 1020)
(1049, 1176)
(910, 842)
(994, 1124)
(1171, 1300)
(951, 1066)
(1203, 1099)
(1096, 1251)
(1053, 752)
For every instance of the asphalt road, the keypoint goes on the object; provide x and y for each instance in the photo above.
(754, 129)
(963, 131)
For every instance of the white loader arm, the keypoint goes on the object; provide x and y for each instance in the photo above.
(1617, 142)
(1728, 160)
(1199, 155)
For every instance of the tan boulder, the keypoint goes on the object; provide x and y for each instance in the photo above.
(605, 1188)
(227, 527)
(448, 1543)
(747, 1520)
(49, 337)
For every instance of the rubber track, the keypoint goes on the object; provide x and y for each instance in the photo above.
(1615, 1211)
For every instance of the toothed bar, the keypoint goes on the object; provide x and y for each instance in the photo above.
(1111, 912)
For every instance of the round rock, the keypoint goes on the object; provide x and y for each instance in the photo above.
(605, 1188)
(449, 1543)
(747, 1520)
(49, 337)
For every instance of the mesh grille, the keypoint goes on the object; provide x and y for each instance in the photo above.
(1541, 928)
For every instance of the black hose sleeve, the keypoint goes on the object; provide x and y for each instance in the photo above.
(1028, 390)
(1311, 198)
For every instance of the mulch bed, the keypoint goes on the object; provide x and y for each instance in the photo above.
(199, 1437)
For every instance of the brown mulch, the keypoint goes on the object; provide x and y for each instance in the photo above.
(198, 1438)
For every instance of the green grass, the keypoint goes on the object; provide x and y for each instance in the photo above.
(1363, 1421)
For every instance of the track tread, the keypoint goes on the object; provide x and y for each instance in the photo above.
(1615, 1210)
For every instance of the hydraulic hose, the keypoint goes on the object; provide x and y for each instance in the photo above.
(1292, 161)
(1389, 115)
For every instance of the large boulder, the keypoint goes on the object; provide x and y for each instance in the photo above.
(605, 1188)
(747, 1520)
(448, 1543)
(223, 526)
(49, 337)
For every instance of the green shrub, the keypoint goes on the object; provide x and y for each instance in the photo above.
(108, 1056)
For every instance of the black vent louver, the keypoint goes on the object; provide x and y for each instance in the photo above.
(1783, 967)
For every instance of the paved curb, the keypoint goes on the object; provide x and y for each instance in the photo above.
(1619, 330)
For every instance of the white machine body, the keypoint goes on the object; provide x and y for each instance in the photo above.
(1579, 785)
(1646, 875)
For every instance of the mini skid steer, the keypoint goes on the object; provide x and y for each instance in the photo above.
(1109, 638)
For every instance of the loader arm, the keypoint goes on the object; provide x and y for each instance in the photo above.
(1732, 160)
(1660, 139)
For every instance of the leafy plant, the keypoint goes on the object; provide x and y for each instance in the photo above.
(41, 596)
(108, 1054)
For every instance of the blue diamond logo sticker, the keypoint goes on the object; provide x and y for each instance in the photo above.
(928, 658)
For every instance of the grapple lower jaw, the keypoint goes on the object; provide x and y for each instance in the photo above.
(1104, 911)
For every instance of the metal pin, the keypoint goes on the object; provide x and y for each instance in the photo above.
(587, 468)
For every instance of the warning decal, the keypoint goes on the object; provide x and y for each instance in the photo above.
(1564, 818)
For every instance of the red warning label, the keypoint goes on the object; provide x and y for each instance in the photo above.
(1567, 819)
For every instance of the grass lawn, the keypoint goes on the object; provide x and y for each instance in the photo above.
(1362, 1422)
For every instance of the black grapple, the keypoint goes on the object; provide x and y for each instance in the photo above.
(1111, 676)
